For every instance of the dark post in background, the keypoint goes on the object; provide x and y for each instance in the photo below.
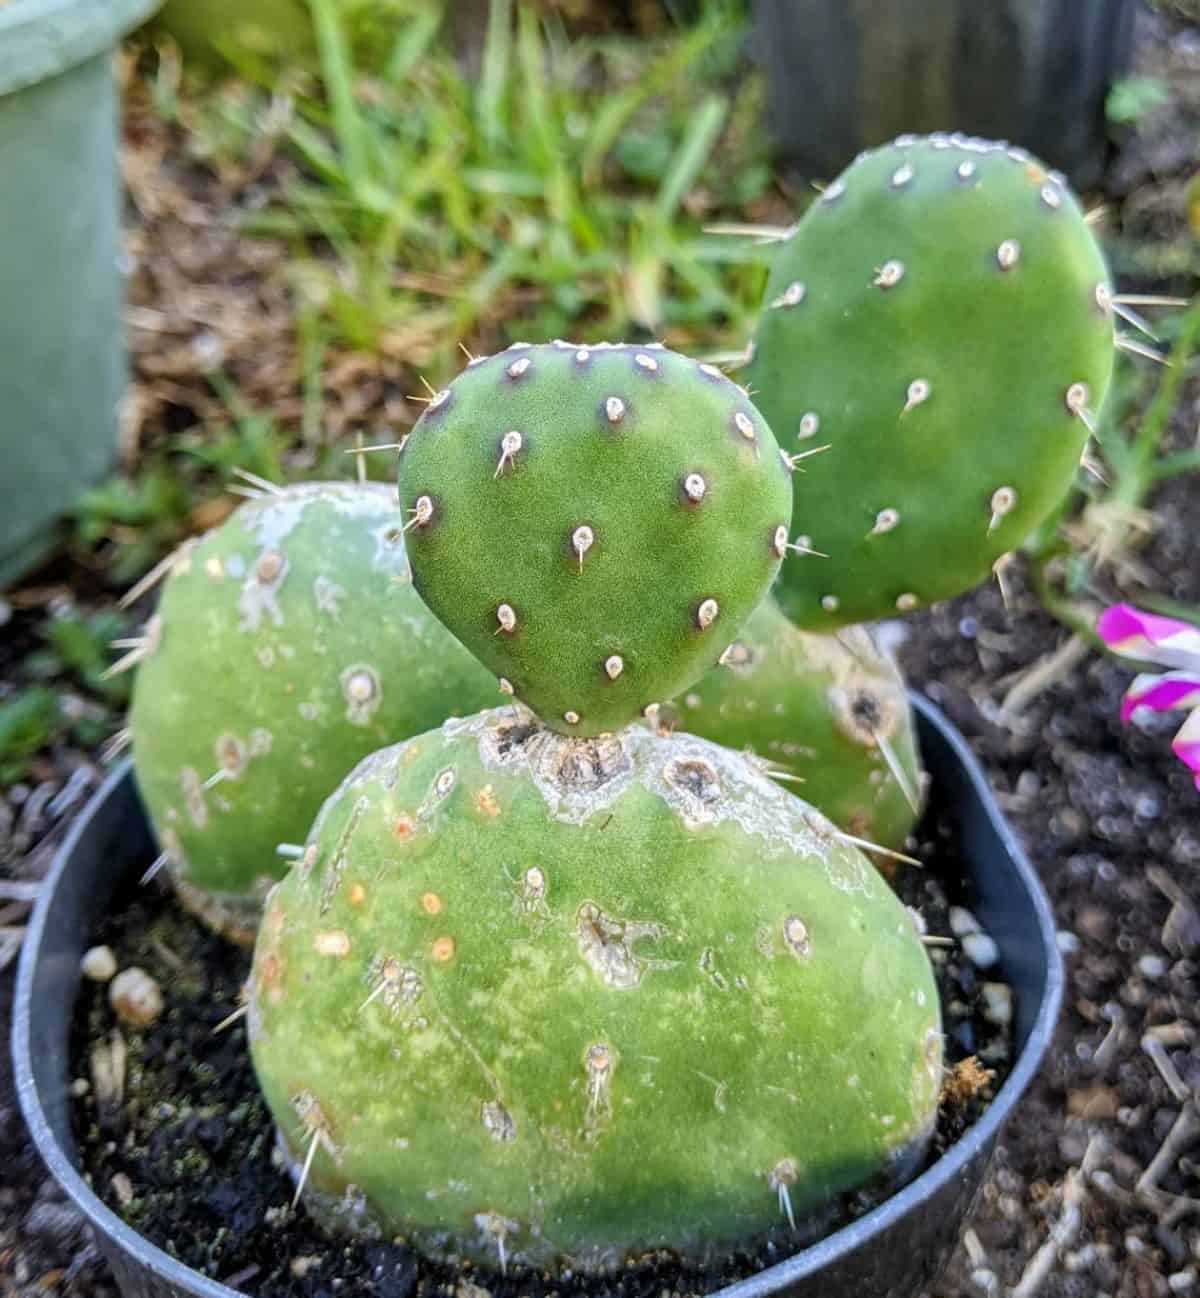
(845, 75)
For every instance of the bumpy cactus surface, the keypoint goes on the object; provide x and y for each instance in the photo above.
(830, 710)
(534, 997)
(593, 522)
(941, 319)
(288, 644)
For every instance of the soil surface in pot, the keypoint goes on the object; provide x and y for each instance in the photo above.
(174, 1137)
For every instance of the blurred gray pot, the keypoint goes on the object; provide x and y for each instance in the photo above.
(61, 355)
(846, 75)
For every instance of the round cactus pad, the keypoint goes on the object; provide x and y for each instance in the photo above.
(593, 523)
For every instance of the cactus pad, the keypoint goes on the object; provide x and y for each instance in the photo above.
(941, 319)
(593, 523)
(543, 998)
(288, 645)
(830, 711)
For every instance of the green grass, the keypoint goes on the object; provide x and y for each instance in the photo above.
(29, 722)
(557, 189)
(66, 696)
(560, 191)
(1132, 98)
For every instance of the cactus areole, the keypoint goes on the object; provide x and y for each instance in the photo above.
(528, 997)
(593, 523)
(941, 321)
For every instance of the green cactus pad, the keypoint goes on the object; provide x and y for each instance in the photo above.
(546, 998)
(593, 523)
(940, 319)
(829, 711)
(288, 644)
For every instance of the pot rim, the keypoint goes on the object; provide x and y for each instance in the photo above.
(40, 39)
(772, 1279)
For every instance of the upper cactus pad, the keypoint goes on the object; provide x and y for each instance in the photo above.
(941, 319)
(593, 523)
(562, 999)
(289, 643)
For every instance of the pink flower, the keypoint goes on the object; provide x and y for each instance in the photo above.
(1174, 645)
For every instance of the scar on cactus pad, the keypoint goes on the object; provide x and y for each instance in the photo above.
(554, 1000)
(593, 522)
(827, 714)
(942, 320)
(288, 644)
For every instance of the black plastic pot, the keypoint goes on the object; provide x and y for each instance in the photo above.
(893, 1252)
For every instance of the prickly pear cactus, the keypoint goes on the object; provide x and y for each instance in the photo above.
(593, 523)
(941, 319)
(288, 644)
(828, 711)
(534, 997)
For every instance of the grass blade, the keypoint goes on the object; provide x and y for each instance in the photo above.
(338, 74)
(691, 155)
(1158, 416)
(413, 44)
(670, 68)
(490, 108)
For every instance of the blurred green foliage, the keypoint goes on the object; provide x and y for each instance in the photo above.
(28, 722)
(558, 187)
(67, 695)
(435, 190)
(1133, 98)
(1088, 548)
(78, 648)
(145, 513)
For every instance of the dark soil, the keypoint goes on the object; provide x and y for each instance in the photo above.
(1113, 821)
(186, 1155)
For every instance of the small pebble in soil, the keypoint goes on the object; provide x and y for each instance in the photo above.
(981, 950)
(59, 1222)
(963, 922)
(1068, 943)
(98, 963)
(136, 997)
(986, 1281)
(1152, 966)
(997, 1003)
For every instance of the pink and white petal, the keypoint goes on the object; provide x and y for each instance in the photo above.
(1186, 745)
(1162, 692)
(1134, 634)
